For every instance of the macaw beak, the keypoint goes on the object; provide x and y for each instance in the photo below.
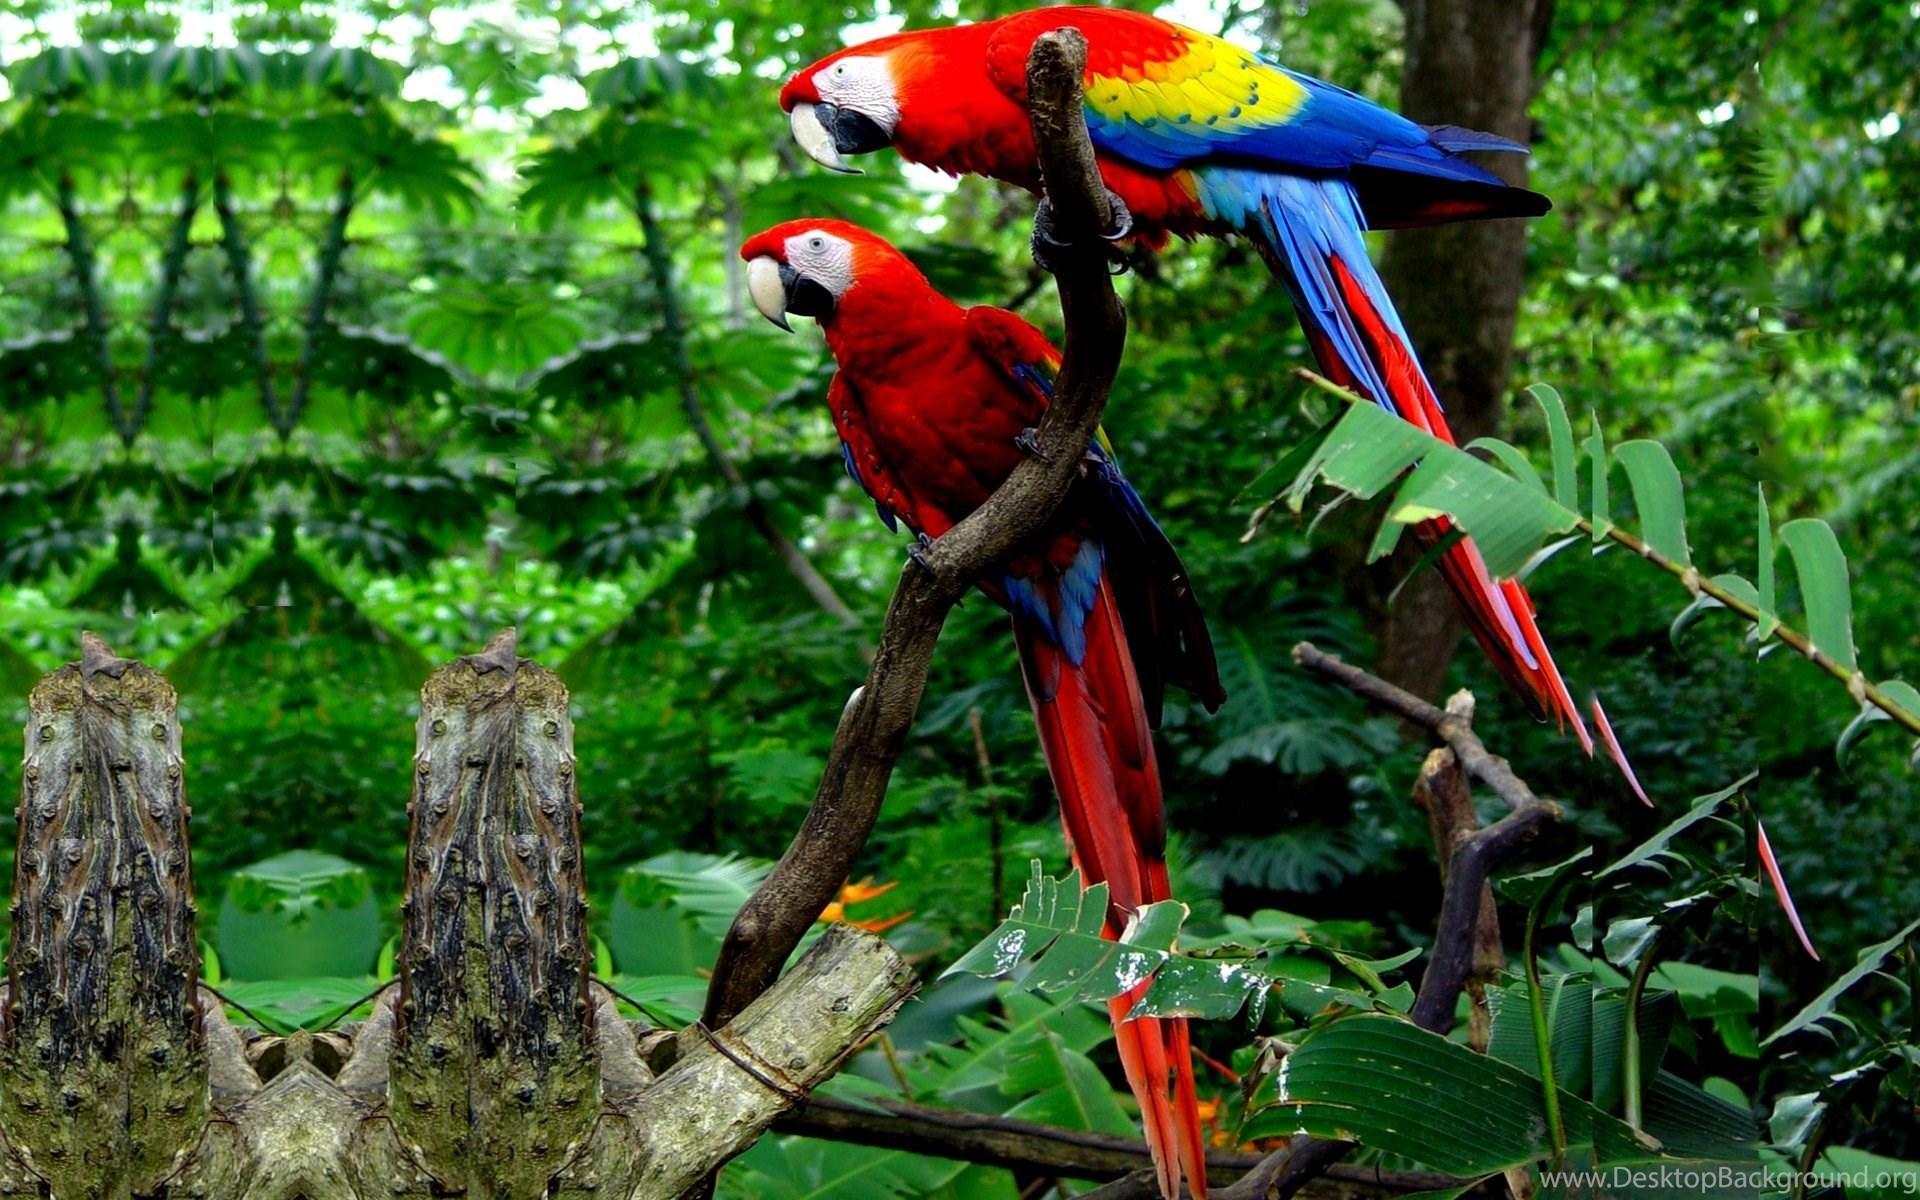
(777, 289)
(768, 289)
(827, 131)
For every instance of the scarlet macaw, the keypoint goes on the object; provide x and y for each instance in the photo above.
(1197, 136)
(930, 402)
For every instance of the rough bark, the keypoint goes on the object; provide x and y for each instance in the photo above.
(493, 1070)
(1457, 287)
(104, 1060)
(1441, 792)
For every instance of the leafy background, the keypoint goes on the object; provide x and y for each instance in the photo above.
(458, 403)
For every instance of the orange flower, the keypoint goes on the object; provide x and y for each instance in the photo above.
(860, 893)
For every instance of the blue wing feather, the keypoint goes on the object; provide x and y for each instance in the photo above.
(1333, 130)
(886, 514)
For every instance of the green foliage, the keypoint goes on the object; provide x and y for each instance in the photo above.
(1511, 516)
(451, 408)
(1055, 937)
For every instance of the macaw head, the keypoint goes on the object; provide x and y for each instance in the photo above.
(809, 267)
(891, 91)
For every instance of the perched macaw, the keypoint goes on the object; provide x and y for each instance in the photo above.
(930, 402)
(1195, 135)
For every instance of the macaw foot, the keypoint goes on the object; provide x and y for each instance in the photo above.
(1027, 441)
(1048, 249)
(918, 553)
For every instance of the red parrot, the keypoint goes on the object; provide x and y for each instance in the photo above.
(1196, 136)
(931, 401)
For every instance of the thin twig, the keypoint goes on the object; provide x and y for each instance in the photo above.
(673, 325)
(873, 728)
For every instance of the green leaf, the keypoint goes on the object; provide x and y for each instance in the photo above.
(1879, 1177)
(1658, 845)
(1394, 1087)
(1899, 691)
(285, 1005)
(1597, 457)
(1765, 600)
(1566, 480)
(1658, 496)
(1569, 1005)
(1824, 589)
(670, 1000)
(1058, 930)
(1368, 450)
(1821, 1008)
(1510, 457)
(1794, 1117)
(1691, 1122)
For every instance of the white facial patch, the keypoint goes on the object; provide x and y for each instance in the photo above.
(823, 258)
(864, 84)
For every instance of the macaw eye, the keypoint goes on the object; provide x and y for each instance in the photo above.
(839, 70)
(816, 242)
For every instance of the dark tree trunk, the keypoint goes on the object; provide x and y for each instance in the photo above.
(1468, 62)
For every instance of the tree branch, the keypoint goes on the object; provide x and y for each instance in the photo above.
(1027, 1146)
(660, 266)
(93, 310)
(333, 248)
(873, 727)
(233, 243)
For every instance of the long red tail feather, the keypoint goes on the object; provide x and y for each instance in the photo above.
(1500, 614)
(1099, 749)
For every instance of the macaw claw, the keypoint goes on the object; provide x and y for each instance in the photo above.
(1027, 441)
(917, 553)
(1046, 247)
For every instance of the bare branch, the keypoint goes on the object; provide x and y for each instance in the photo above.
(1453, 728)
(873, 728)
(1031, 1147)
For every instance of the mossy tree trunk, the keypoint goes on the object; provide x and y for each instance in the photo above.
(494, 1043)
(104, 1061)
